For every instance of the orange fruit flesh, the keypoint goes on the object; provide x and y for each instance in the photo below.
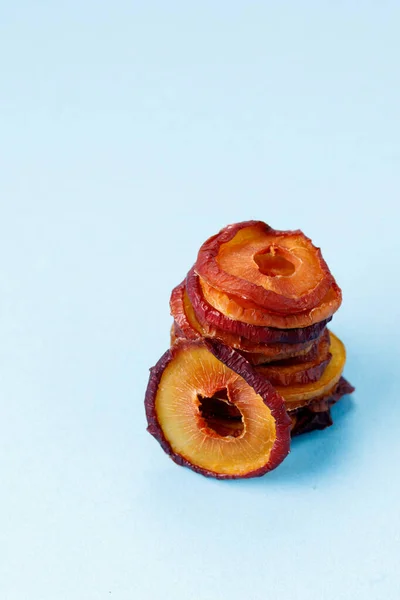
(195, 374)
(247, 311)
(258, 358)
(300, 395)
(287, 265)
(191, 315)
(290, 375)
(275, 351)
(173, 336)
(290, 372)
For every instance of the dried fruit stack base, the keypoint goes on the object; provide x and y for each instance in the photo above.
(252, 362)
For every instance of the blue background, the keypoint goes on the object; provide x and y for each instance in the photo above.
(130, 132)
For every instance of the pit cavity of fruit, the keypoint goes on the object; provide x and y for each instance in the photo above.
(273, 262)
(220, 415)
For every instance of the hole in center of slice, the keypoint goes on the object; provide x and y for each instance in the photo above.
(220, 415)
(273, 262)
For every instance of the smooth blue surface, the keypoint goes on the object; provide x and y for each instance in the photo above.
(130, 132)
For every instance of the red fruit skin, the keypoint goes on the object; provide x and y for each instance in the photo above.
(281, 376)
(186, 327)
(317, 414)
(295, 371)
(233, 360)
(207, 267)
(308, 421)
(343, 388)
(209, 316)
(181, 324)
(258, 359)
(320, 349)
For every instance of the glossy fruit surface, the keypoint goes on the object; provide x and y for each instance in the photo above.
(212, 412)
(280, 271)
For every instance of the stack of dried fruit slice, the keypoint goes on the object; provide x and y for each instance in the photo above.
(252, 362)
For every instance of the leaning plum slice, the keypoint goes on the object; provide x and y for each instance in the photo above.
(211, 412)
(281, 271)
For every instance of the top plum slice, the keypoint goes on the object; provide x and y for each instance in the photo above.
(213, 413)
(280, 271)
